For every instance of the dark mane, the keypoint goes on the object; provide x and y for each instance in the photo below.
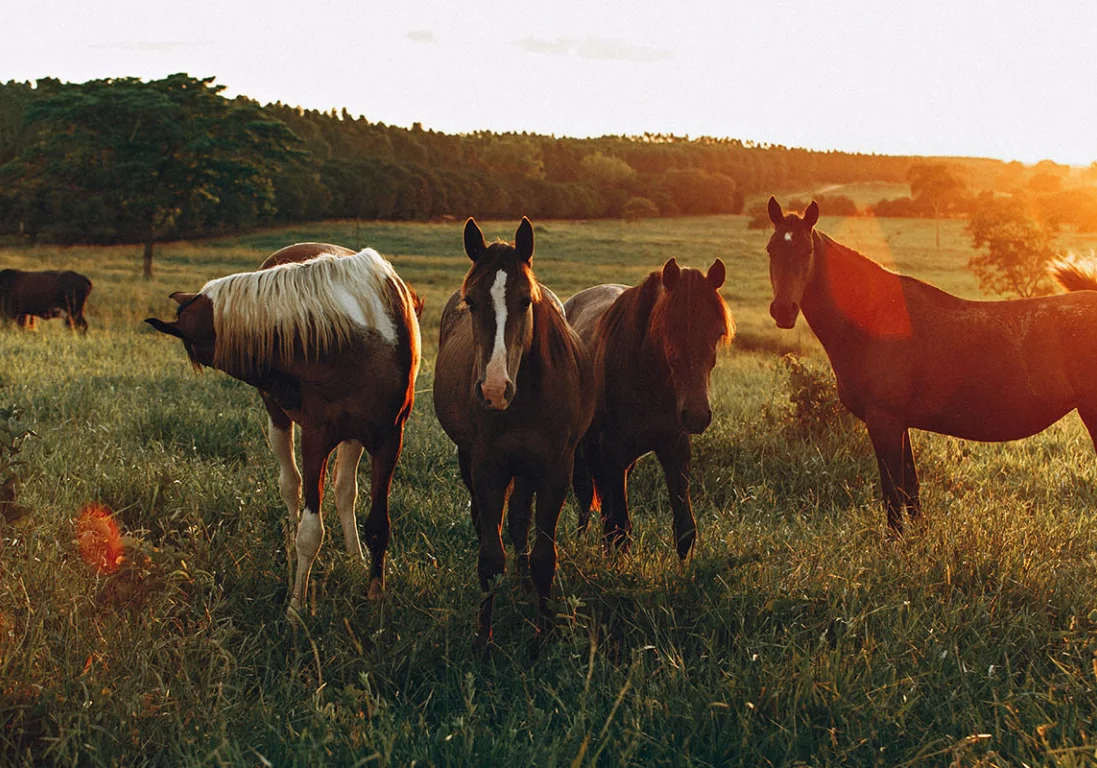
(553, 339)
(626, 321)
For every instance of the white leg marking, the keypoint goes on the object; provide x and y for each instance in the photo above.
(495, 377)
(310, 534)
(289, 479)
(345, 484)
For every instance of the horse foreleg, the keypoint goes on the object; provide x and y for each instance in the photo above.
(582, 481)
(675, 459)
(551, 492)
(344, 482)
(518, 515)
(888, 439)
(377, 523)
(315, 447)
(616, 525)
(491, 490)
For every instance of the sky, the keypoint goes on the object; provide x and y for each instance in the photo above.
(1010, 80)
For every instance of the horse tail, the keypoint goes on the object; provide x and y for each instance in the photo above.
(1074, 275)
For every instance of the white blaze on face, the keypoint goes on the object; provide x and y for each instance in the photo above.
(495, 377)
(788, 237)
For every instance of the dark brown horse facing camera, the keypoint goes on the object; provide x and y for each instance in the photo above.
(513, 389)
(654, 348)
(25, 296)
(906, 354)
(330, 338)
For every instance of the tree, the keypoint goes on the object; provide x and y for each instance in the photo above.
(1018, 247)
(936, 188)
(152, 150)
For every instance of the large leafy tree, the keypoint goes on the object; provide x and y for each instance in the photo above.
(1018, 247)
(131, 157)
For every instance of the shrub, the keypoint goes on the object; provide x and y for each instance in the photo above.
(639, 208)
(813, 394)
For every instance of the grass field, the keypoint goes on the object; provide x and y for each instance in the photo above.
(797, 635)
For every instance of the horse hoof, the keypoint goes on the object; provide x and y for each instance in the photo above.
(376, 590)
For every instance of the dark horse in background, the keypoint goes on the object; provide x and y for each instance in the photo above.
(906, 354)
(25, 296)
(330, 337)
(513, 389)
(654, 347)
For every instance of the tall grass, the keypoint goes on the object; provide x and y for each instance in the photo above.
(797, 634)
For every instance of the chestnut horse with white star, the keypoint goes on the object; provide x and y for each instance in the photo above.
(513, 389)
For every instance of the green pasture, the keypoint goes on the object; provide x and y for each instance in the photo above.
(798, 634)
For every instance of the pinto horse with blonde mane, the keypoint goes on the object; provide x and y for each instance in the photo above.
(513, 389)
(906, 354)
(654, 348)
(330, 338)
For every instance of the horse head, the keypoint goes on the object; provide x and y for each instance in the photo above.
(193, 324)
(690, 321)
(499, 292)
(791, 260)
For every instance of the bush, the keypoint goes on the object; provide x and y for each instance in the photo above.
(639, 208)
(813, 394)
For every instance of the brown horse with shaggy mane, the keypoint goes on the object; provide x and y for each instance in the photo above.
(906, 354)
(654, 348)
(330, 338)
(513, 389)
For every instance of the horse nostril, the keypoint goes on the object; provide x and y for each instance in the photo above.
(508, 391)
(773, 310)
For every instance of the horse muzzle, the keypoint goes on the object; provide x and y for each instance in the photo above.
(495, 395)
(696, 420)
(784, 314)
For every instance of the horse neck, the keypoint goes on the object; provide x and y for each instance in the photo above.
(839, 273)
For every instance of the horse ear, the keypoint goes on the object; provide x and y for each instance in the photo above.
(811, 215)
(523, 240)
(671, 273)
(776, 215)
(716, 274)
(168, 328)
(182, 298)
(474, 240)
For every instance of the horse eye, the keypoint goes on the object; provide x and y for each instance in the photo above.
(526, 301)
(470, 304)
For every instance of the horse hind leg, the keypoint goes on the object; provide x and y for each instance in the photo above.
(345, 487)
(280, 436)
(518, 517)
(378, 525)
(315, 447)
(582, 482)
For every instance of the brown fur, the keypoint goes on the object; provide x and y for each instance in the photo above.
(907, 354)
(362, 391)
(529, 444)
(25, 296)
(653, 349)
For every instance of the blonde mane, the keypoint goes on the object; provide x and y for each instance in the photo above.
(321, 304)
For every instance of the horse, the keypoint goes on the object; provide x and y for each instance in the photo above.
(513, 388)
(25, 296)
(330, 337)
(654, 348)
(908, 355)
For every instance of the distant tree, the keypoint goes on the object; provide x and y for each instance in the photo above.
(152, 150)
(1018, 247)
(606, 171)
(936, 187)
(639, 208)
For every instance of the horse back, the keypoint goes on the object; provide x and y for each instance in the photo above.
(299, 252)
(585, 309)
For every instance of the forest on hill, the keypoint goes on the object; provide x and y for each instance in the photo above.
(123, 160)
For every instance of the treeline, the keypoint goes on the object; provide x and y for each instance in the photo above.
(79, 162)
